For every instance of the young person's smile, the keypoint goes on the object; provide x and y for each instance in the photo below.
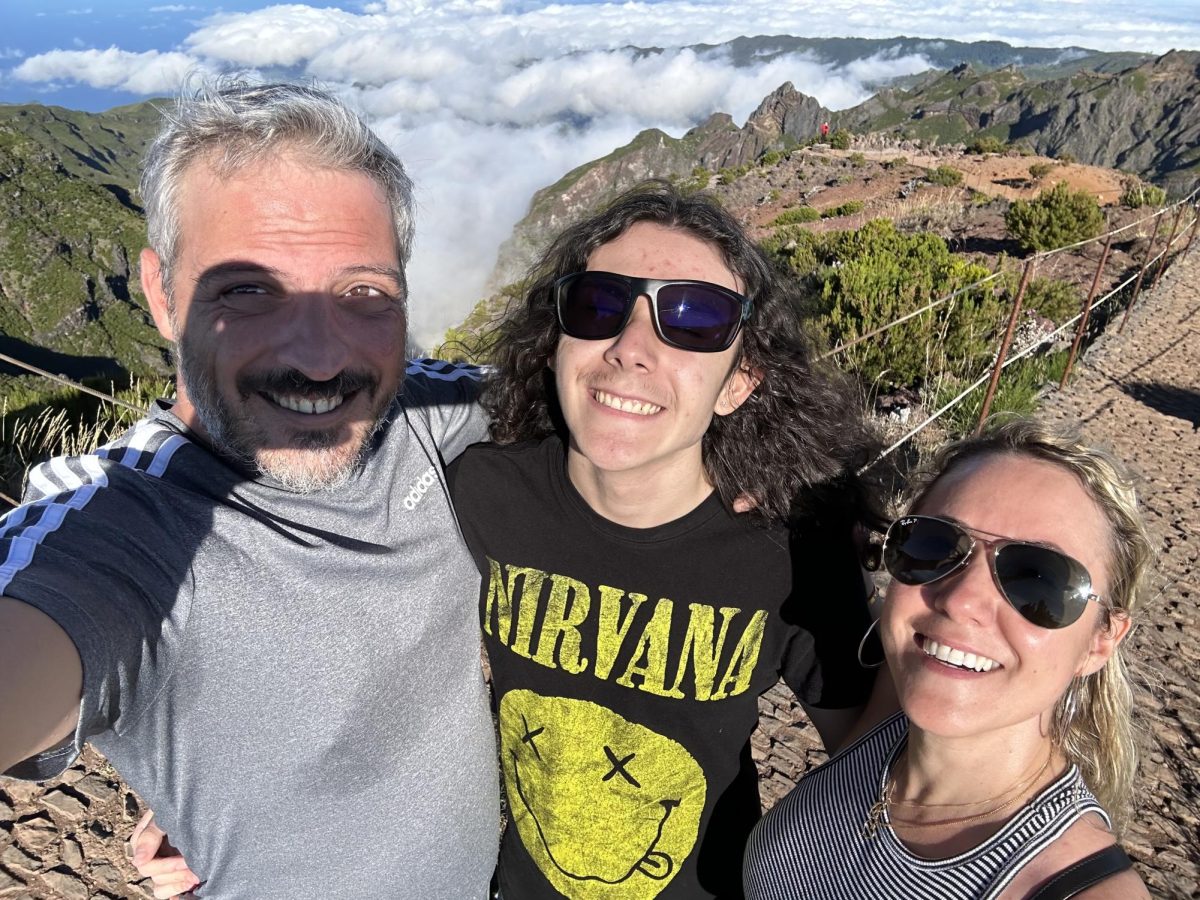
(636, 408)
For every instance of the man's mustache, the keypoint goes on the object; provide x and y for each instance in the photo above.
(291, 381)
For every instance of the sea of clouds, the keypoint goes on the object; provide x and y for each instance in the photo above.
(489, 100)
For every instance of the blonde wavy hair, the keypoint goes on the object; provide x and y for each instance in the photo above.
(1097, 734)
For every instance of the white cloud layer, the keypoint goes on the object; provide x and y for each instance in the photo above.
(489, 100)
(150, 72)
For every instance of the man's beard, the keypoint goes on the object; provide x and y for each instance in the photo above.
(313, 459)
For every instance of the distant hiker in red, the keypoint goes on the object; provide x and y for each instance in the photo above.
(824, 129)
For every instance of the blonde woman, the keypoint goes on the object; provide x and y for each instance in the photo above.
(1007, 775)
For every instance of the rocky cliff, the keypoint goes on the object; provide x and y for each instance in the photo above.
(1144, 119)
(785, 118)
(70, 232)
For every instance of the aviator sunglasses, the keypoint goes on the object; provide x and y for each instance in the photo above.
(690, 315)
(1048, 588)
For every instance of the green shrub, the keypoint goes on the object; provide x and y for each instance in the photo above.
(858, 160)
(895, 162)
(1017, 392)
(875, 275)
(796, 215)
(987, 145)
(946, 176)
(795, 248)
(697, 181)
(770, 158)
(840, 139)
(1056, 218)
(849, 208)
(1137, 194)
(1055, 300)
(1040, 170)
(1065, 158)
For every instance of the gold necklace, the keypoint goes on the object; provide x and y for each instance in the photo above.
(876, 813)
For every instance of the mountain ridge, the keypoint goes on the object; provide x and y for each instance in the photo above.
(1146, 121)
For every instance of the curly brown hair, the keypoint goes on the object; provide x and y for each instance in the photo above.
(798, 436)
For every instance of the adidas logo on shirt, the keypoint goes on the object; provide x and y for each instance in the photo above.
(419, 488)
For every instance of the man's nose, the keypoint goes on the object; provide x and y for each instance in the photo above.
(312, 340)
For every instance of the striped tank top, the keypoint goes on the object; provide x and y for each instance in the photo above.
(811, 845)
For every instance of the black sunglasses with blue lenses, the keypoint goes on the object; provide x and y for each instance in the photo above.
(1047, 587)
(690, 315)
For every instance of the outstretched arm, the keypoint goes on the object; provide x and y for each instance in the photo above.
(41, 680)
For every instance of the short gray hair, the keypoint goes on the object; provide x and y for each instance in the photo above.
(232, 122)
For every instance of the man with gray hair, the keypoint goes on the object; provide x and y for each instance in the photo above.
(256, 602)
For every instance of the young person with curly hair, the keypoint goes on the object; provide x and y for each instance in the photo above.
(665, 528)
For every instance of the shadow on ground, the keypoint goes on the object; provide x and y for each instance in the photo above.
(1167, 399)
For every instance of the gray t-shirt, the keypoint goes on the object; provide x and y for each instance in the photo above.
(291, 681)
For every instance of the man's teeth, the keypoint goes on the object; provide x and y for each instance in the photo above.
(958, 657)
(638, 407)
(304, 405)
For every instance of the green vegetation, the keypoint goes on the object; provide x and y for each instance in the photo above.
(1039, 170)
(849, 208)
(1056, 218)
(1017, 392)
(770, 158)
(1137, 194)
(730, 174)
(946, 176)
(796, 215)
(70, 234)
(698, 181)
(895, 162)
(840, 139)
(1048, 297)
(857, 160)
(860, 280)
(987, 145)
(37, 423)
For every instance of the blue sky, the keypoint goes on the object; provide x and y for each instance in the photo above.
(510, 94)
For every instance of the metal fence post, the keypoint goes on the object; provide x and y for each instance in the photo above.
(1162, 264)
(1137, 285)
(1192, 236)
(1087, 311)
(1004, 345)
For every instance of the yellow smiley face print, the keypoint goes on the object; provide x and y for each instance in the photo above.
(606, 807)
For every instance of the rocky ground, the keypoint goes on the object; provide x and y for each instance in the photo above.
(1138, 390)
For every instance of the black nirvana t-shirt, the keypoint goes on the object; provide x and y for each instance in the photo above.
(626, 665)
